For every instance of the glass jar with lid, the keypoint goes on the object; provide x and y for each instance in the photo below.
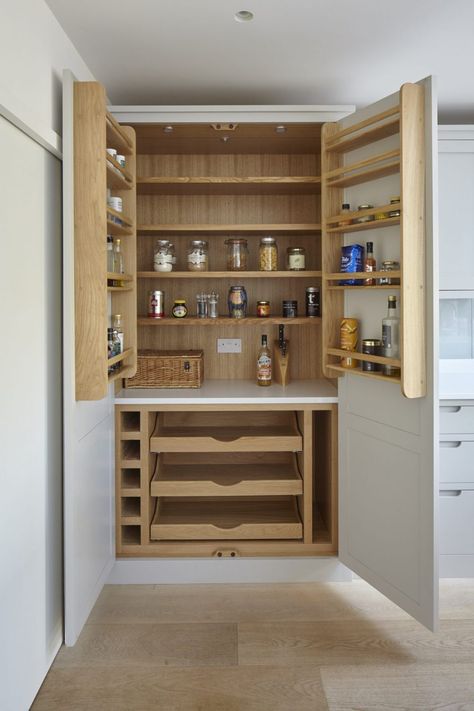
(296, 259)
(163, 256)
(268, 255)
(198, 256)
(237, 255)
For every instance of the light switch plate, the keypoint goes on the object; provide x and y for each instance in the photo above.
(229, 345)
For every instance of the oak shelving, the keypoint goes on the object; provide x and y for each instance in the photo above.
(210, 185)
(366, 132)
(230, 229)
(310, 274)
(365, 170)
(225, 321)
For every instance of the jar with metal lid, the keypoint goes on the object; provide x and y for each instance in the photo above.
(371, 346)
(237, 302)
(237, 255)
(179, 309)
(163, 256)
(263, 309)
(364, 218)
(268, 255)
(389, 265)
(198, 256)
(296, 259)
(394, 200)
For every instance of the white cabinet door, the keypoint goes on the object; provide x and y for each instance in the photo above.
(456, 214)
(389, 443)
(88, 489)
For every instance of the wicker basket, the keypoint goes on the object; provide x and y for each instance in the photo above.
(168, 369)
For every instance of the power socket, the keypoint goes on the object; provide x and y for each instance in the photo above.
(229, 345)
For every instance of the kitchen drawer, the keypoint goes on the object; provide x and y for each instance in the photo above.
(456, 527)
(226, 519)
(456, 461)
(456, 419)
(226, 474)
(257, 431)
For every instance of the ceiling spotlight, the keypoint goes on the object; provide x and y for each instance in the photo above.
(243, 16)
(280, 129)
(168, 129)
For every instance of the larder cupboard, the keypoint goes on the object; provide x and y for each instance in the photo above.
(227, 472)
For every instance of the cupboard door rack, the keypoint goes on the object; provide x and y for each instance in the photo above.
(339, 172)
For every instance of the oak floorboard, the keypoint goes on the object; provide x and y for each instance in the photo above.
(434, 687)
(147, 688)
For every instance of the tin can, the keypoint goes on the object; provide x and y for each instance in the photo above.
(263, 309)
(371, 346)
(237, 302)
(290, 308)
(313, 302)
(349, 331)
(156, 304)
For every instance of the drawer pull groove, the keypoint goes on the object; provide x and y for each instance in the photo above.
(451, 444)
(450, 408)
(450, 492)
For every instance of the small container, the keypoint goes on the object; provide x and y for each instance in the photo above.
(346, 211)
(202, 305)
(394, 200)
(313, 302)
(112, 152)
(290, 308)
(179, 309)
(237, 302)
(380, 215)
(156, 304)
(198, 258)
(237, 255)
(212, 305)
(371, 346)
(364, 218)
(163, 256)
(389, 265)
(268, 255)
(263, 309)
(349, 337)
(115, 203)
(120, 160)
(296, 259)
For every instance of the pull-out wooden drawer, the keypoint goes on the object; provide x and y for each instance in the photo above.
(226, 474)
(456, 419)
(456, 460)
(258, 431)
(226, 519)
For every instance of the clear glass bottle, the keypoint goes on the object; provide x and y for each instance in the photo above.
(268, 255)
(264, 364)
(118, 329)
(118, 262)
(370, 265)
(110, 253)
(391, 337)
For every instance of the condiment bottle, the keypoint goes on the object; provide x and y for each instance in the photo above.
(346, 211)
(370, 264)
(118, 329)
(391, 337)
(118, 261)
(110, 253)
(264, 364)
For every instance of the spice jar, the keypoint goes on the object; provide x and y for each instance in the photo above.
(371, 346)
(237, 255)
(198, 259)
(394, 200)
(268, 255)
(346, 211)
(389, 265)
(163, 256)
(296, 259)
(364, 218)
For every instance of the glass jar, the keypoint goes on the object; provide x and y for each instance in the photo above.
(237, 302)
(364, 218)
(163, 256)
(179, 309)
(198, 259)
(237, 255)
(268, 255)
(395, 200)
(296, 259)
(389, 265)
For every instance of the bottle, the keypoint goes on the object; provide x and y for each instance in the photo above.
(370, 265)
(110, 253)
(391, 337)
(118, 329)
(264, 364)
(118, 261)
(346, 211)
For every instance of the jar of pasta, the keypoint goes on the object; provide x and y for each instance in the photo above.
(268, 255)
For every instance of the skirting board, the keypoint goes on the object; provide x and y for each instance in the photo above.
(202, 570)
(456, 566)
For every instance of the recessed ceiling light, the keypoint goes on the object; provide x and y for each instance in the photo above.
(168, 129)
(280, 129)
(243, 16)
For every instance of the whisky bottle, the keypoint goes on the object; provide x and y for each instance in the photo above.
(264, 364)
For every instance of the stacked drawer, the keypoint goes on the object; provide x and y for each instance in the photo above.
(457, 489)
(226, 476)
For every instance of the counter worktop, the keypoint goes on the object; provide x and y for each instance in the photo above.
(239, 392)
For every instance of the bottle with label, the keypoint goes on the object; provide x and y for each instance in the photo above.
(110, 253)
(345, 212)
(391, 337)
(118, 329)
(264, 364)
(118, 262)
(370, 265)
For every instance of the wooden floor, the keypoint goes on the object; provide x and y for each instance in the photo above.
(309, 647)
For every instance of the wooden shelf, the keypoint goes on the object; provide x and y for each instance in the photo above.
(365, 374)
(202, 474)
(125, 221)
(231, 229)
(210, 520)
(381, 360)
(366, 132)
(125, 372)
(116, 276)
(337, 287)
(335, 219)
(339, 276)
(117, 230)
(258, 185)
(226, 321)
(121, 356)
(364, 171)
(310, 274)
(116, 137)
(119, 288)
(117, 177)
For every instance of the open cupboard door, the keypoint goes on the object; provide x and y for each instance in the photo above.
(388, 425)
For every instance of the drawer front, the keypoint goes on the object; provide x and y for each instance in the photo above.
(456, 461)
(456, 528)
(456, 419)
(217, 443)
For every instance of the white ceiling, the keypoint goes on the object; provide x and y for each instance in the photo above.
(294, 51)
